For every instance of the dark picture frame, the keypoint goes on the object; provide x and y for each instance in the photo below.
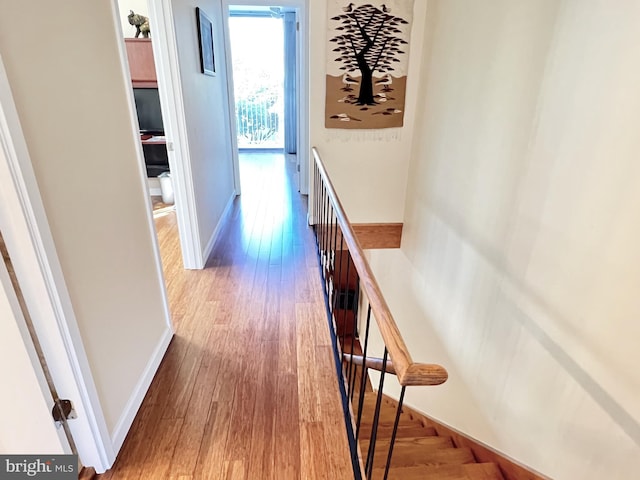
(205, 41)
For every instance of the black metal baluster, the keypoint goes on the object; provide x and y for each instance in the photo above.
(319, 206)
(395, 430)
(323, 204)
(330, 258)
(325, 233)
(333, 259)
(344, 294)
(335, 240)
(331, 269)
(325, 208)
(354, 309)
(316, 192)
(328, 245)
(363, 381)
(376, 418)
(337, 293)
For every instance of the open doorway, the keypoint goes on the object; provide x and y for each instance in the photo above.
(193, 241)
(257, 46)
(266, 56)
(165, 56)
(134, 17)
(186, 98)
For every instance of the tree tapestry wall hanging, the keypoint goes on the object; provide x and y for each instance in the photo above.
(367, 63)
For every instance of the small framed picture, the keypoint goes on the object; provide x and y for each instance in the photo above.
(205, 39)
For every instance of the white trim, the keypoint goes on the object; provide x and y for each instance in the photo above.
(231, 102)
(217, 230)
(135, 401)
(304, 157)
(165, 52)
(304, 149)
(28, 238)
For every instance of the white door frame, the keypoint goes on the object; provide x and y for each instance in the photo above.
(231, 102)
(302, 64)
(28, 239)
(165, 53)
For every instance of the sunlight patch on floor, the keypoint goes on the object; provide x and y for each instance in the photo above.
(265, 198)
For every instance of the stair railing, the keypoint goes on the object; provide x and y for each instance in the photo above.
(353, 297)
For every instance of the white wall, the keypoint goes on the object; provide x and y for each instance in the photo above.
(521, 226)
(454, 398)
(379, 165)
(73, 99)
(207, 116)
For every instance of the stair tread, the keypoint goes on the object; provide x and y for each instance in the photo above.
(387, 413)
(388, 423)
(469, 471)
(419, 443)
(370, 398)
(410, 455)
(411, 430)
(388, 408)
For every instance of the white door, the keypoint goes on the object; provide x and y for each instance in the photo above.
(26, 232)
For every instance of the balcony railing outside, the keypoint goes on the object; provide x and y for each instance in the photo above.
(259, 119)
(354, 300)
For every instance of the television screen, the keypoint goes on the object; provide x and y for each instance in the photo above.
(148, 108)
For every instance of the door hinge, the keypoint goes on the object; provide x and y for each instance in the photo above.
(297, 26)
(298, 167)
(63, 410)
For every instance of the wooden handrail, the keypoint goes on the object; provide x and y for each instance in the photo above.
(408, 372)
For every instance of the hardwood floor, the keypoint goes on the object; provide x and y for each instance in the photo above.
(247, 389)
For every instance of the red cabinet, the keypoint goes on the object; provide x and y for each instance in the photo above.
(141, 64)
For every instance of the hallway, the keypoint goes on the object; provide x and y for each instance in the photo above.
(247, 389)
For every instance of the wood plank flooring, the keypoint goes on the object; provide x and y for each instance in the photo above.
(247, 389)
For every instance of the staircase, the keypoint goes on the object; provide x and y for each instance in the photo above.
(421, 447)
(419, 453)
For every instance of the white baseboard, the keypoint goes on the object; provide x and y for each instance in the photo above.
(133, 405)
(216, 231)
